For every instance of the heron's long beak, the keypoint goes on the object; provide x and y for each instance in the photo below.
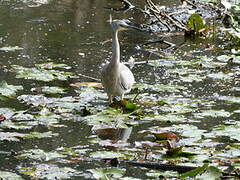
(133, 26)
(110, 19)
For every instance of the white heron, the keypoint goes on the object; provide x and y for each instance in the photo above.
(117, 79)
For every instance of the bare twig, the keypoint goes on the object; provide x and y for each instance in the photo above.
(89, 77)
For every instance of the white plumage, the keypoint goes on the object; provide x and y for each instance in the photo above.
(117, 79)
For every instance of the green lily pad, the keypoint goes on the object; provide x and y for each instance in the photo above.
(49, 90)
(106, 173)
(41, 74)
(49, 172)
(211, 173)
(48, 118)
(53, 65)
(9, 90)
(194, 172)
(39, 135)
(5, 175)
(212, 113)
(11, 136)
(231, 131)
(89, 94)
(160, 87)
(106, 154)
(195, 23)
(15, 125)
(34, 100)
(221, 75)
(40, 155)
(11, 48)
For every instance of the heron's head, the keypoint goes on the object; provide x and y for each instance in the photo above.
(121, 24)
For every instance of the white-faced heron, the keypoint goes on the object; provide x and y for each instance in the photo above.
(117, 79)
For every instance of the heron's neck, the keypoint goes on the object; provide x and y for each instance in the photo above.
(115, 49)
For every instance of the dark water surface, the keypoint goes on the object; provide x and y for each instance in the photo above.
(77, 33)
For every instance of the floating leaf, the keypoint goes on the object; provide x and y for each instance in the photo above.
(40, 155)
(53, 65)
(9, 90)
(106, 173)
(221, 75)
(49, 172)
(212, 113)
(47, 117)
(211, 173)
(41, 74)
(194, 172)
(231, 131)
(49, 90)
(106, 155)
(16, 125)
(39, 135)
(10, 48)
(11, 136)
(195, 23)
(89, 94)
(5, 175)
(35, 100)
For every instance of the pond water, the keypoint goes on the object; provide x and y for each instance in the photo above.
(46, 133)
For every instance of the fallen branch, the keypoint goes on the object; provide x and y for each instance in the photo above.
(89, 77)
(161, 166)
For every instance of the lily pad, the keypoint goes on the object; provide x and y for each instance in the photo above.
(195, 23)
(49, 90)
(53, 65)
(32, 135)
(5, 175)
(231, 131)
(212, 113)
(49, 172)
(106, 173)
(11, 136)
(41, 74)
(40, 155)
(34, 100)
(10, 48)
(106, 154)
(9, 90)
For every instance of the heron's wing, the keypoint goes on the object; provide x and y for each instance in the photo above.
(126, 78)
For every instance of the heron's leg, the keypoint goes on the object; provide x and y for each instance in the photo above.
(121, 97)
(110, 99)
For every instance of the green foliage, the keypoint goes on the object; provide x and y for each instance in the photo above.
(9, 90)
(41, 74)
(195, 24)
(107, 173)
(5, 175)
(194, 172)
